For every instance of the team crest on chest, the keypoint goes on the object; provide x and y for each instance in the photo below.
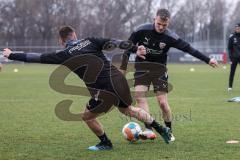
(162, 45)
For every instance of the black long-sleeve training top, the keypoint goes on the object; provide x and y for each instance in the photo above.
(234, 46)
(88, 46)
(158, 45)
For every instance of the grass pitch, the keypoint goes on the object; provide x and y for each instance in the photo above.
(203, 120)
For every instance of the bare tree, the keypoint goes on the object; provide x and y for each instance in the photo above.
(190, 19)
(35, 22)
(235, 18)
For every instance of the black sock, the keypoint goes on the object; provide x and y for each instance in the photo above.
(104, 138)
(148, 126)
(157, 126)
(168, 124)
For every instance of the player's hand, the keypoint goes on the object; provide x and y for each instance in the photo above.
(7, 52)
(213, 62)
(141, 52)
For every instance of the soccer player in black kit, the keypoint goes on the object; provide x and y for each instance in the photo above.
(154, 41)
(109, 79)
(234, 53)
(1, 66)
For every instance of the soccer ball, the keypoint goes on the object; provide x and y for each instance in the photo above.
(15, 70)
(131, 131)
(192, 69)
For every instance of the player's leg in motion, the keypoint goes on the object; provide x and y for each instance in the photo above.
(166, 111)
(138, 113)
(123, 92)
(140, 96)
(145, 117)
(97, 128)
(232, 73)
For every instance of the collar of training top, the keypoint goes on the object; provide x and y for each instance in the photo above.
(237, 25)
(72, 43)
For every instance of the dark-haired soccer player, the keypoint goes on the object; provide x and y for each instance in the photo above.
(109, 79)
(234, 53)
(154, 41)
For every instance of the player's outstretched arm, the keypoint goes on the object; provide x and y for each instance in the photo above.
(212, 62)
(125, 58)
(186, 47)
(134, 38)
(48, 58)
(141, 52)
(24, 57)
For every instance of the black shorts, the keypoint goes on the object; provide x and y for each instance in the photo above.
(108, 92)
(159, 81)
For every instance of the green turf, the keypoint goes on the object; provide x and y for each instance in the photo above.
(203, 120)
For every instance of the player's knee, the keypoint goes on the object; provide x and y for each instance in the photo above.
(127, 111)
(88, 116)
(141, 100)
